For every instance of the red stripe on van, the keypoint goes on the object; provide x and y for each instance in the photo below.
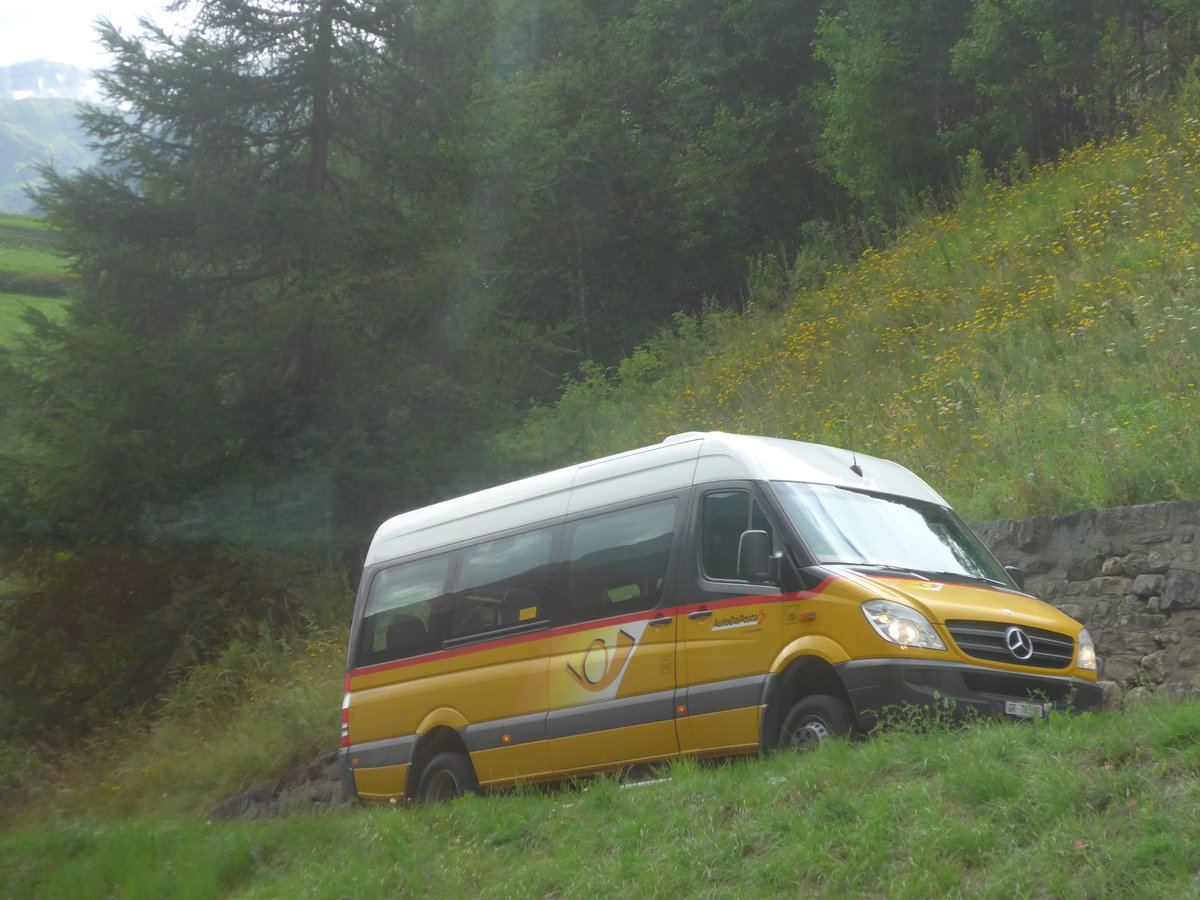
(727, 603)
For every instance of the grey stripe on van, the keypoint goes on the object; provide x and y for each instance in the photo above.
(388, 752)
(724, 695)
(602, 716)
(520, 730)
(606, 714)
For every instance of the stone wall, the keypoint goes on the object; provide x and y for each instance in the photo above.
(1131, 575)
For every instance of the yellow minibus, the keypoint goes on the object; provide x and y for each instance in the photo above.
(711, 595)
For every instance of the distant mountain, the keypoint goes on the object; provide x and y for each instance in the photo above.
(41, 78)
(38, 103)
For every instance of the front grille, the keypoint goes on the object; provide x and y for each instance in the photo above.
(990, 641)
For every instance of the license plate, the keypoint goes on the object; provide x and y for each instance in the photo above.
(1025, 709)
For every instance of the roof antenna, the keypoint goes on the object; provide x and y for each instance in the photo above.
(856, 468)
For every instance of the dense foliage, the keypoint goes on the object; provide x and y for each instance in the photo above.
(336, 245)
(1031, 351)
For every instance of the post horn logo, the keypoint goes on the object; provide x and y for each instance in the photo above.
(599, 668)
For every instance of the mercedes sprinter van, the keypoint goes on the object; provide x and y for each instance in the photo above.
(711, 595)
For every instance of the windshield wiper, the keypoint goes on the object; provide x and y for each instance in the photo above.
(924, 574)
(904, 570)
(970, 577)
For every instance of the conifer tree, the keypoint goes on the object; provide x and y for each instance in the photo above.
(254, 252)
(254, 361)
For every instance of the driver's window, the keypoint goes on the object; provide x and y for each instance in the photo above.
(724, 515)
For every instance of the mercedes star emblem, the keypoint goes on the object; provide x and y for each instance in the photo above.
(1018, 643)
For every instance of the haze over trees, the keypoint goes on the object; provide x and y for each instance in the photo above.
(334, 246)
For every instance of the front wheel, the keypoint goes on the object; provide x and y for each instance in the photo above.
(813, 721)
(445, 777)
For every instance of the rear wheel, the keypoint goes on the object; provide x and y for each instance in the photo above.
(813, 721)
(445, 777)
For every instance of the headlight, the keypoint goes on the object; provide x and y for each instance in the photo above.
(900, 624)
(1087, 651)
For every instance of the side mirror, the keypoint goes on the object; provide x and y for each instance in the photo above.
(754, 561)
(1017, 576)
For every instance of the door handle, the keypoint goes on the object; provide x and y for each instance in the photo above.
(700, 614)
(661, 620)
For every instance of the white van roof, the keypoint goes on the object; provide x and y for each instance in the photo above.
(678, 462)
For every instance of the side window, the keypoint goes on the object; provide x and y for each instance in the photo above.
(617, 562)
(403, 611)
(502, 583)
(724, 515)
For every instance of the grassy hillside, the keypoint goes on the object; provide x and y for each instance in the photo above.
(1099, 806)
(33, 274)
(1033, 350)
(37, 130)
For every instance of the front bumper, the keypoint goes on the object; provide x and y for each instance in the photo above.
(877, 687)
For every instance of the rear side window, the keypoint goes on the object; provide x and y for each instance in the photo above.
(403, 609)
(502, 583)
(724, 515)
(422, 606)
(617, 562)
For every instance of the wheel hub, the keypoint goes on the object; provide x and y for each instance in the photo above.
(811, 733)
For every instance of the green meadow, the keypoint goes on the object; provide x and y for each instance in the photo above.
(33, 275)
(1103, 805)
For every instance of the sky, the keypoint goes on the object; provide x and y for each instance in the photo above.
(64, 31)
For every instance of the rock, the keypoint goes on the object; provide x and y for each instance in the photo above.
(1181, 589)
(314, 786)
(1146, 585)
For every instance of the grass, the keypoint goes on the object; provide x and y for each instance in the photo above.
(33, 274)
(261, 708)
(30, 258)
(1030, 351)
(27, 223)
(12, 311)
(1094, 806)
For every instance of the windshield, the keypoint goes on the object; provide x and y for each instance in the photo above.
(855, 528)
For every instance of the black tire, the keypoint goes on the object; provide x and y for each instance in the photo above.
(813, 721)
(446, 777)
